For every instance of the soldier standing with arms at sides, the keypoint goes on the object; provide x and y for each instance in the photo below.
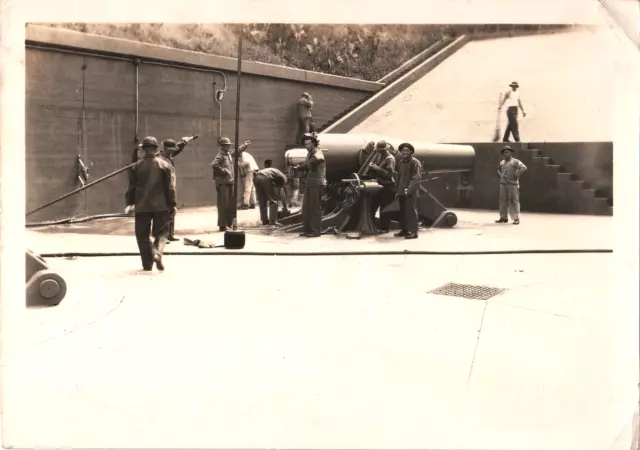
(171, 149)
(407, 191)
(509, 171)
(315, 181)
(512, 98)
(270, 184)
(152, 197)
(383, 168)
(223, 177)
(305, 105)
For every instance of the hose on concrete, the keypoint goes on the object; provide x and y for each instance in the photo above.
(348, 253)
(73, 220)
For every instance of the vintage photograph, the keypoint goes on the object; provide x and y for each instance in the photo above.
(308, 235)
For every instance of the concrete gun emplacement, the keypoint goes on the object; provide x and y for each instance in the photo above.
(350, 187)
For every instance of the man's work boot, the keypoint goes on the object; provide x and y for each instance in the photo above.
(158, 260)
(243, 207)
(401, 233)
(252, 207)
(275, 224)
(172, 239)
(412, 235)
(516, 222)
(312, 235)
(223, 228)
(502, 220)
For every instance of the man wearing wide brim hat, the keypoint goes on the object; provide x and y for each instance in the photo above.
(512, 99)
(509, 171)
(152, 197)
(224, 178)
(408, 190)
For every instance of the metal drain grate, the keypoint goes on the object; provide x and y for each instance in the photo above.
(467, 291)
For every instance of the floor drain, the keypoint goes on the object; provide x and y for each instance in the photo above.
(467, 291)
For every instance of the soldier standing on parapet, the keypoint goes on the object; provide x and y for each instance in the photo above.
(512, 99)
(305, 105)
(408, 191)
(315, 181)
(223, 177)
(171, 149)
(509, 171)
(152, 197)
(383, 167)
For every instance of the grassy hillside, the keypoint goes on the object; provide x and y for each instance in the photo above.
(359, 51)
(366, 52)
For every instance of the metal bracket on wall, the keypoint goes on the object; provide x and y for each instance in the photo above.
(82, 171)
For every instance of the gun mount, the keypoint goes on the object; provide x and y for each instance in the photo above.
(347, 197)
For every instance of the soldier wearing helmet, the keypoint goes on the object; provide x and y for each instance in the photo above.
(171, 149)
(224, 179)
(315, 181)
(383, 167)
(152, 197)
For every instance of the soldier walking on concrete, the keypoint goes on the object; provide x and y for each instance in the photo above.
(171, 149)
(509, 171)
(248, 168)
(383, 167)
(223, 177)
(315, 181)
(407, 191)
(305, 105)
(152, 197)
(512, 99)
(270, 184)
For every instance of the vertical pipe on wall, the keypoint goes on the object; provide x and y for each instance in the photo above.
(83, 146)
(237, 137)
(213, 105)
(137, 64)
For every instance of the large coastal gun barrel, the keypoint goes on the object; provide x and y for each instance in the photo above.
(346, 155)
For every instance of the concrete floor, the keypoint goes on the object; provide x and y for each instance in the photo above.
(332, 351)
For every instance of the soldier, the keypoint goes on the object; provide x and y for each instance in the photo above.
(152, 196)
(305, 105)
(407, 191)
(224, 178)
(383, 168)
(512, 98)
(171, 149)
(247, 168)
(509, 171)
(315, 181)
(270, 184)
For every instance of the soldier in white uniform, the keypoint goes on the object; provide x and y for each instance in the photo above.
(512, 99)
(509, 171)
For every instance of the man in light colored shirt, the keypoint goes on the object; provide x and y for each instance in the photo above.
(509, 171)
(512, 99)
(247, 168)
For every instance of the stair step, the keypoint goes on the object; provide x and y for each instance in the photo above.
(545, 159)
(600, 207)
(564, 176)
(611, 210)
(532, 151)
(554, 168)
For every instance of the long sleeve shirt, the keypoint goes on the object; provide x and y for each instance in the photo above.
(316, 169)
(247, 163)
(409, 176)
(384, 168)
(152, 185)
(276, 176)
(223, 166)
(510, 171)
(304, 108)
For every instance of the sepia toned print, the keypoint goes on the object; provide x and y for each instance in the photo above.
(401, 235)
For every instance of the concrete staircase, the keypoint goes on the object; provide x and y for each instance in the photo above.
(393, 76)
(548, 187)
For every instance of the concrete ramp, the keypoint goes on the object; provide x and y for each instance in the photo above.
(566, 84)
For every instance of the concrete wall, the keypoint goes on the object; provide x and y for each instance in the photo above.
(541, 190)
(86, 104)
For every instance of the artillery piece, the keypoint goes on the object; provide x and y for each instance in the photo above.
(348, 194)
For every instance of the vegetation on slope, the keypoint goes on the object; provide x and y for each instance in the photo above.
(367, 52)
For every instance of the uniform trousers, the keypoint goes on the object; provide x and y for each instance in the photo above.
(408, 213)
(156, 224)
(512, 126)
(226, 205)
(383, 198)
(267, 194)
(312, 210)
(509, 201)
(248, 189)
